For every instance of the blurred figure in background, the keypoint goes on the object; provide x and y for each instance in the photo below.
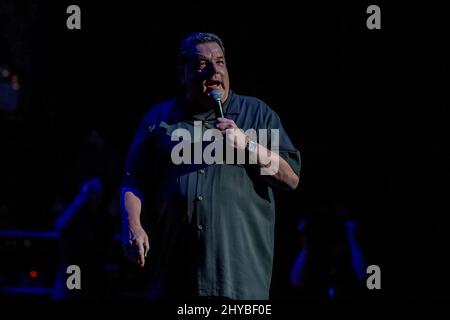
(88, 223)
(84, 233)
(330, 262)
(9, 89)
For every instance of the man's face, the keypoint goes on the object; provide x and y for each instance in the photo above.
(205, 70)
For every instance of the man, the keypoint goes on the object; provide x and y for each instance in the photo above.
(210, 226)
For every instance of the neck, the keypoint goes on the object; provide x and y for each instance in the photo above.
(200, 103)
(199, 107)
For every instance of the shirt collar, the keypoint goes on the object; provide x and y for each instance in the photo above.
(231, 106)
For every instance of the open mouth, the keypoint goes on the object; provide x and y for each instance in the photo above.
(213, 84)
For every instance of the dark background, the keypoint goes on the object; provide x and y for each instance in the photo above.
(364, 107)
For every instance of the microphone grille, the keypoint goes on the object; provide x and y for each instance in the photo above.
(215, 94)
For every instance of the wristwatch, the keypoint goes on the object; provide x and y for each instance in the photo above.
(251, 145)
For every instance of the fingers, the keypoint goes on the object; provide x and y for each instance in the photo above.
(223, 124)
(146, 247)
(225, 120)
(235, 137)
(137, 245)
(141, 253)
(137, 251)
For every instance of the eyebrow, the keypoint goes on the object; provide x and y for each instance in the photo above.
(202, 57)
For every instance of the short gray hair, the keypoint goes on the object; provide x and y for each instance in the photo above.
(188, 43)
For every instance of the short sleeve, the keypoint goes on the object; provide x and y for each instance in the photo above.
(285, 147)
(138, 161)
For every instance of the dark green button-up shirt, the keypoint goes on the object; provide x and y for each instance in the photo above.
(211, 226)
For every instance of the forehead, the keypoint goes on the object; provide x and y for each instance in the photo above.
(208, 50)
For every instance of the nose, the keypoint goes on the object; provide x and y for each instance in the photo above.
(213, 69)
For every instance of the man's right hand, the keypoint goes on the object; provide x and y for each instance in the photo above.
(136, 244)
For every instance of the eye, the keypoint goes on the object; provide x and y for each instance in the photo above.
(201, 64)
(221, 62)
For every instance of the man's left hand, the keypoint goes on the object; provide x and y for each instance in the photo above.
(234, 136)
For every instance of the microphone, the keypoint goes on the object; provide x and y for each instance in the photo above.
(217, 95)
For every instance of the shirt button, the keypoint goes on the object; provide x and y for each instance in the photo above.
(199, 198)
(200, 227)
(202, 171)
